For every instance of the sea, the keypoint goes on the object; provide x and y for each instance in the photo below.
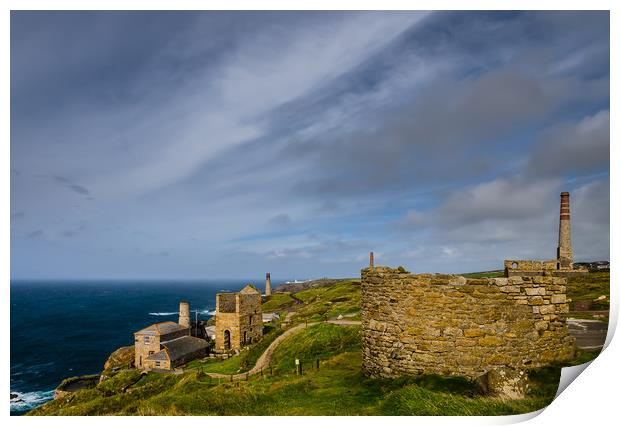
(61, 329)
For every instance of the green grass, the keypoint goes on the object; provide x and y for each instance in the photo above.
(582, 356)
(329, 302)
(316, 342)
(238, 363)
(278, 301)
(231, 365)
(337, 388)
(590, 287)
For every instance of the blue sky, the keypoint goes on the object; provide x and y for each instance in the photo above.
(229, 144)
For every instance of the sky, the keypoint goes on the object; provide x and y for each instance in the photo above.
(159, 145)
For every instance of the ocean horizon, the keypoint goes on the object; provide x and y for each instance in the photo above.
(64, 328)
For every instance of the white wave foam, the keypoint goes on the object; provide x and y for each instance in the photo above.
(201, 312)
(30, 400)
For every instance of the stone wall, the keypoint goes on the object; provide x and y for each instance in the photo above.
(145, 345)
(227, 302)
(532, 268)
(250, 318)
(450, 325)
(227, 322)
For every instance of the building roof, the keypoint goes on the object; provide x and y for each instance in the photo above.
(270, 316)
(249, 289)
(210, 331)
(161, 328)
(158, 356)
(178, 348)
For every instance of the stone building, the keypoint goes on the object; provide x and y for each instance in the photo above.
(451, 325)
(562, 265)
(166, 345)
(238, 319)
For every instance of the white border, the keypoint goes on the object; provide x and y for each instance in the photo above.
(590, 400)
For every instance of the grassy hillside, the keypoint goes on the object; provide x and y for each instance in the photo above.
(278, 301)
(590, 287)
(337, 388)
(328, 302)
(242, 362)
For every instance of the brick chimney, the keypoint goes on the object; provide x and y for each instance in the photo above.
(372, 260)
(268, 285)
(565, 249)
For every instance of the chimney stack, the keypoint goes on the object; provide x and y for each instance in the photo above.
(268, 285)
(184, 314)
(565, 249)
(372, 260)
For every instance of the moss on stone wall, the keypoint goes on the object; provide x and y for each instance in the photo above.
(450, 325)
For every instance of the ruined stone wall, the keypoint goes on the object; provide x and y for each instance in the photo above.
(450, 325)
(250, 318)
(226, 302)
(532, 268)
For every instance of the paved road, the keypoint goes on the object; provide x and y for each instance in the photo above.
(264, 360)
(590, 334)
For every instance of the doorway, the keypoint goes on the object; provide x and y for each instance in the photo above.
(226, 340)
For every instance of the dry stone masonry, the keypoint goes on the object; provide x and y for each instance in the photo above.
(451, 325)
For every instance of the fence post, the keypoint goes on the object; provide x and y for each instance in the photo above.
(231, 377)
(317, 364)
(246, 376)
(297, 366)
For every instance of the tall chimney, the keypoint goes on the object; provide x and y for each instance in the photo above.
(184, 314)
(372, 260)
(565, 249)
(268, 285)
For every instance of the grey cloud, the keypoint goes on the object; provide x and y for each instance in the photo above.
(501, 199)
(70, 233)
(281, 219)
(69, 184)
(574, 148)
(61, 179)
(590, 216)
(454, 128)
(36, 234)
(79, 189)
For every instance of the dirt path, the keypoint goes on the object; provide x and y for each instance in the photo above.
(264, 360)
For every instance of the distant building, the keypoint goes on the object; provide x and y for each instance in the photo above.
(166, 345)
(238, 319)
